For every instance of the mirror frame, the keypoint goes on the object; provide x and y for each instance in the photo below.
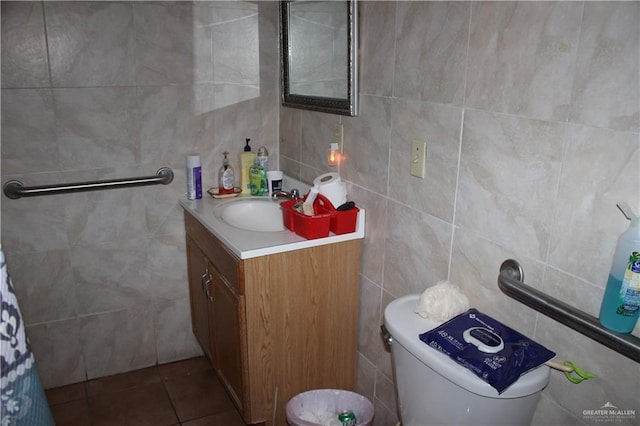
(343, 106)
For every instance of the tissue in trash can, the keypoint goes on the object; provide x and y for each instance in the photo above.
(321, 407)
(497, 354)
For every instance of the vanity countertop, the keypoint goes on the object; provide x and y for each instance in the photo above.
(248, 244)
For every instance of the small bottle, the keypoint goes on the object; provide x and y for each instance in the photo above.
(621, 302)
(257, 178)
(194, 177)
(225, 176)
(246, 161)
(263, 158)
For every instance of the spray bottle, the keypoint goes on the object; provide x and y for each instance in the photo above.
(621, 302)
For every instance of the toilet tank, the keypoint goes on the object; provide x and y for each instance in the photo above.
(432, 389)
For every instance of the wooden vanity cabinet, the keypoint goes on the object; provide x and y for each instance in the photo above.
(229, 339)
(217, 309)
(276, 325)
(199, 285)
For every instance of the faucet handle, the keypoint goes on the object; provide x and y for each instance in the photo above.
(295, 193)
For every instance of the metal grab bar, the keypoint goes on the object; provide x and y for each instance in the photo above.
(511, 282)
(15, 189)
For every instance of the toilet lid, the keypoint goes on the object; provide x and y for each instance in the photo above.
(405, 326)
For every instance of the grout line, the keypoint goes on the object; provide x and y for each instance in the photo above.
(173, 406)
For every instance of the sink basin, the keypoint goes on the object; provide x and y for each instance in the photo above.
(252, 214)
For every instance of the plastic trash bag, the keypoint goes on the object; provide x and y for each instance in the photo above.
(321, 407)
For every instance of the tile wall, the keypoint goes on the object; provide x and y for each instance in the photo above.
(100, 90)
(530, 111)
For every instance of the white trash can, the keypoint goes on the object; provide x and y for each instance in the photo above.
(321, 407)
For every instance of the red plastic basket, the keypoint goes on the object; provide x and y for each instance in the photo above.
(326, 219)
(342, 222)
(309, 227)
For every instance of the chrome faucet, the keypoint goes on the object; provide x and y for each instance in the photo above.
(293, 195)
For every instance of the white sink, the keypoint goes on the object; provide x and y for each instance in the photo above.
(252, 214)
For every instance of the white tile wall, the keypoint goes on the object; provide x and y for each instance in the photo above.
(101, 276)
(531, 115)
(530, 111)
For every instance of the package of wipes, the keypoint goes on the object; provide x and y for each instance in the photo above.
(497, 354)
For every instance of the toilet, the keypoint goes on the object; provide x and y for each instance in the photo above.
(433, 390)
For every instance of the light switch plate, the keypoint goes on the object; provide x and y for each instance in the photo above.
(418, 158)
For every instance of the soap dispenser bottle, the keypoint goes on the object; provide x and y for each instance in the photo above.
(621, 302)
(225, 176)
(246, 161)
(257, 178)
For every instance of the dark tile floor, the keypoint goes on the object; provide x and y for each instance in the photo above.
(181, 393)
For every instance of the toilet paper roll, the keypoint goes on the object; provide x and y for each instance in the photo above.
(331, 186)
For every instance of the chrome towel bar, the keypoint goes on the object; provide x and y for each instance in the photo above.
(511, 282)
(15, 189)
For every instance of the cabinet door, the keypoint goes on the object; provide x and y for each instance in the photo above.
(199, 285)
(228, 329)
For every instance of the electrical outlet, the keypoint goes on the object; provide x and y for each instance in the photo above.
(418, 158)
(338, 136)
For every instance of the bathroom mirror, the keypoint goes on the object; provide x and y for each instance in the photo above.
(318, 51)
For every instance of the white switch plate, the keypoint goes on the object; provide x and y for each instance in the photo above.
(418, 158)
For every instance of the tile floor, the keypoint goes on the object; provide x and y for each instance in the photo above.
(181, 393)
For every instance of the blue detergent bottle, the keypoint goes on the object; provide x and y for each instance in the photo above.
(621, 303)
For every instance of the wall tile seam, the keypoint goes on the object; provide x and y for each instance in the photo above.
(372, 281)
(549, 267)
(554, 216)
(363, 276)
(137, 87)
(46, 43)
(378, 371)
(126, 86)
(559, 406)
(293, 160)
(574, 71)
(463, 108)
(136, 82)
(472, 7)
(382, 376)
(393, 200)
(558, 191)
(78, 317)
(143, 235)
(53, 322)
(457, 186)
(133, 7)
(377, 402)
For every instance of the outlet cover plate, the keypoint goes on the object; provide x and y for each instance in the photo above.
(418, 158)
